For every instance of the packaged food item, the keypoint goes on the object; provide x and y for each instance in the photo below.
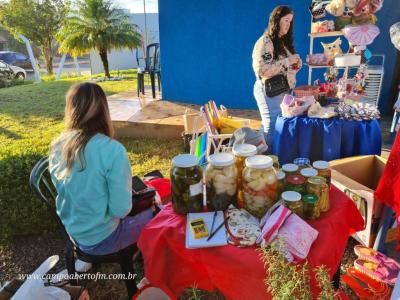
(275, 161)
(311, 207)
(221, 181)
(323, 170)
(260, 185)
(292, 200)
(186, 184)
(295, 183)
(308, 172)
(280, 175)
(241, 152)
(317, 186)
(290, 169)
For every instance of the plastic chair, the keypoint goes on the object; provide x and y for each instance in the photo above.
(41, 184)
(152, 67)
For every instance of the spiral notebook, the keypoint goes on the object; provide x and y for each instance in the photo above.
(219, 239)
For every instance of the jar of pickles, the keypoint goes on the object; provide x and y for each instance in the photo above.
(275, 161)
(290, 169)
(280, 175)
(260, 185)
(221, 181)
(323, 170)
(186, 184)
(241, 152)
(302, 162)
(292, 200)
(308, 172)
(310, 207)
(295, 183)
(317, 186)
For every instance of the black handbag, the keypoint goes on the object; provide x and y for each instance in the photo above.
(276, 85)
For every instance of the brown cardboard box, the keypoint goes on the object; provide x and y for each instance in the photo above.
(358, 177)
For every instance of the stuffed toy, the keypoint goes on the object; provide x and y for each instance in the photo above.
(364, 12)
(333, 49)
(324, 26)
(336, 7)
(317, 9)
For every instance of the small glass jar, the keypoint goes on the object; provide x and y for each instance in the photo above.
(221, 181)
(302, 163)
(290, 169)
(308, 172)
(292, 200)
(280, 175)
(260, 185)
(186, 184)
(275, 161)
(317, 186)
(323, 170)
(311, 207)
(295, 183)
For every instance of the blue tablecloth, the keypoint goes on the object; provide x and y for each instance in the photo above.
(325, 139)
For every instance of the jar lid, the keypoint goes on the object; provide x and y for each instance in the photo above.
(244, 150)
(291, 196)
(280, 175)
(321, 164)
(184, 161)
(259, 162)
(310, 199)
(221, 159)
(290, 168)
(301, 161)
(309, 172)
(317, 180)
(295, 179)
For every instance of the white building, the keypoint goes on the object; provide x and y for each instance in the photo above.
(126, 59)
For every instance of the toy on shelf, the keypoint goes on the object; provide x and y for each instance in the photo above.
(322, 26)
(361, 35)
(364, 11)
(318, 59)
(317, 9)
(332, 49)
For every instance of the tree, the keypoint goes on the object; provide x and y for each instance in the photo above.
(97, 24)
(37, 20)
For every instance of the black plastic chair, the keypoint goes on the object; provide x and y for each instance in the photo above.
(152, 67)
(41, 184)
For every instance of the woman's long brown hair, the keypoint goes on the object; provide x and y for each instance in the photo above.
(273, 31)
(86, 114)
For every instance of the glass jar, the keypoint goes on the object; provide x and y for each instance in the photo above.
(311, 207)
(292, 200)
(221, 181)
(186, 184)
(260, 185)
(275, 161)
(280, 175)
(241, 152)
(323, 170)
(317, 186)
(295, 183)
(302, 162)
(308, 172)
(290, 169)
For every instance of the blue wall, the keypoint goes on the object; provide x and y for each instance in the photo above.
(206, 47)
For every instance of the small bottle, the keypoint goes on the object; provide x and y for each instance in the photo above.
(323, 170)
(302, 163)
(308, 172)
(310, 207)
(292, 200)
(290, 169)
(295, 183)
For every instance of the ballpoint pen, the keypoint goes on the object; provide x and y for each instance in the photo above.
(216, 230)
(213, 221)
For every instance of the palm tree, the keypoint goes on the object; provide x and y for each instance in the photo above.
(97, 24)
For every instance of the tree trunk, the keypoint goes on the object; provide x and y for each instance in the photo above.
(48, 58)
(104, 60)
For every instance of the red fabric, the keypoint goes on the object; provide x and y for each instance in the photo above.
(163, 188)
(237, 272)
(388, 190)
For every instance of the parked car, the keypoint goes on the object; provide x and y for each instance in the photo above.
(10, 72)
(16, 59)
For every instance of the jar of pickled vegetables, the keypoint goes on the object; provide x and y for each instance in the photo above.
(290, 169)
(295, 183)
(221, 181)
(275, 161)
(241, 152)
(260, 185)
(186, 184)
(317, 186)
(323, 170)
(302, 162)
(308, 172)
(310, 207)
(292, 200)
(280, 175)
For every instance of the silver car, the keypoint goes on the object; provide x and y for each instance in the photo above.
(13, 71)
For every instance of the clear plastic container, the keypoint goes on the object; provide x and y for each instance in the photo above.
(260, 185)
(186, 184)
(221, 181)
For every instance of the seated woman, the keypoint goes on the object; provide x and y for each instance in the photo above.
(273, 55)
(92, 175)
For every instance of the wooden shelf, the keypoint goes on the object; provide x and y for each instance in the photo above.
(325, 34)
(325, 67)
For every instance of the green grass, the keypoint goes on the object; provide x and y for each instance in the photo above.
(31, 116)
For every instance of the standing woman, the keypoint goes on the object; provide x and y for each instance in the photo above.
(274, 55)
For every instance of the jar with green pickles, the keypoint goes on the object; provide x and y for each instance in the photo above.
(295, 183)
(308, 172)
(317, 186)
(186, 184)
(290, 169)
(302, 163)
(292, 200)
(323, 170)
(221, 181)
(311, 207)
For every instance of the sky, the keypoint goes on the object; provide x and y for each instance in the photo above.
(136, 6)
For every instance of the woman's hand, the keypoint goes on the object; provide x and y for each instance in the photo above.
(295, 62)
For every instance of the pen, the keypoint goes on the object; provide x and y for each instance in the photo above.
(213, 221)
(216, 230)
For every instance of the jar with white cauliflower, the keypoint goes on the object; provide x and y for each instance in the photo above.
(260, 185)
(221, 181)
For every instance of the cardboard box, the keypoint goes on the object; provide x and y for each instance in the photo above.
(358, 177)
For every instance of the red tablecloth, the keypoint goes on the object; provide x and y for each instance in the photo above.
(237, 272)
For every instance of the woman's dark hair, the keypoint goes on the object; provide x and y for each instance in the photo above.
(273, 31)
